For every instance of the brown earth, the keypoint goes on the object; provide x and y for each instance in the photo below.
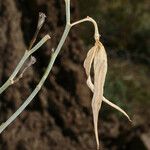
(60, 116)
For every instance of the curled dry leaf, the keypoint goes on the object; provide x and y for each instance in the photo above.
(98, 57)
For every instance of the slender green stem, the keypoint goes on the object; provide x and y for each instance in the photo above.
(29, 99)
(67, 11)
(89, 19)
(38, 87)
(26, 55)
(51, 63)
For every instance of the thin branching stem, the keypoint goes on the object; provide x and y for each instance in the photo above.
(51, 63)
(89, 19)
(98, 91)
(28, 100)
(26, 55)
(67, 11)
(38, 87)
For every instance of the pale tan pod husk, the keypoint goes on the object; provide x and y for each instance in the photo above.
(103, 56)
(87, 65)
(116, 107)
(89, 59)
(97, 54)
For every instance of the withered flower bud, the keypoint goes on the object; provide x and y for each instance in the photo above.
(41, 20)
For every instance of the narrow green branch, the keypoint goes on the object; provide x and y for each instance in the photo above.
(26, 55)
(51, 63)
(89, 19)
(38, 87)
(28, 100)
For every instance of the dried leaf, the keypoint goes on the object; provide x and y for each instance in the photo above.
(100, 69)
(97, 54)
(89, 59)
(91, 86)
(116, 107)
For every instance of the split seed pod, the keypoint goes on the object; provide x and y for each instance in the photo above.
(98, 57)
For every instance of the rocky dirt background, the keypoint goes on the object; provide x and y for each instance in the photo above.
(60, 116)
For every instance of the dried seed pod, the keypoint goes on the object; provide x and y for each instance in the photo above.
(97, 55)
(41, 20)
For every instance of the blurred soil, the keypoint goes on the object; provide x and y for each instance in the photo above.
(60, 116)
